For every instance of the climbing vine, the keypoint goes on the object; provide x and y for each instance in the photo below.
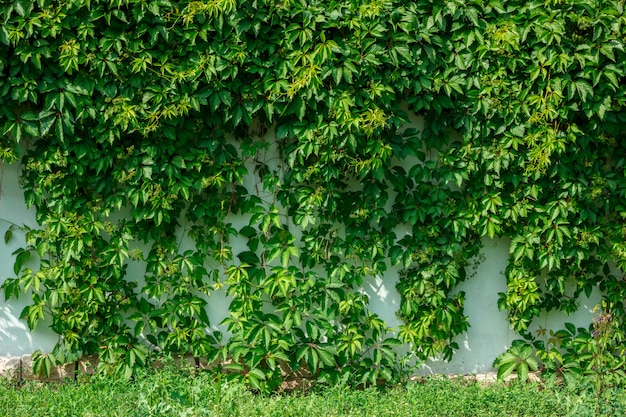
(142, 123)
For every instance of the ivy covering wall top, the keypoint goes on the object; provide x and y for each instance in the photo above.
(160, 109)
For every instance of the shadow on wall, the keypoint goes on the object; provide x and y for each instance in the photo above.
(489, 334)
(15, 337)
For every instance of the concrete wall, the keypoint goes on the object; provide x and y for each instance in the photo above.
(488, 336)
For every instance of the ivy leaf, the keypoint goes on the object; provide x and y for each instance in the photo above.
(506, 364)
(46, 123)
(395, 254)
(19, 7)
(8, 235)
(4, 35)
(60, 133)
(582, 88)
(327, 357)
(22, 257)
(43, 363)
(284, 130)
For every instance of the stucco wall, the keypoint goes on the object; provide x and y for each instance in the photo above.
(488, 336)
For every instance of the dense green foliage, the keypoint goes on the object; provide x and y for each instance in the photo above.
(140, 122)
(171, 394)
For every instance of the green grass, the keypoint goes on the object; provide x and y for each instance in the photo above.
(167, 393)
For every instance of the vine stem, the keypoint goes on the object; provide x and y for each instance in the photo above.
(13, 224)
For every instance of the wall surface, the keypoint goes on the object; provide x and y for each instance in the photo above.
(488, 336)
(15, 338)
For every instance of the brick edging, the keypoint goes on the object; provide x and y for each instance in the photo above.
(19, 368)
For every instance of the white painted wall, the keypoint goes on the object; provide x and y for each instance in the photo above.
(15, 337)
(488, 336)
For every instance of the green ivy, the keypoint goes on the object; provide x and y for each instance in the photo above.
(140, 122)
